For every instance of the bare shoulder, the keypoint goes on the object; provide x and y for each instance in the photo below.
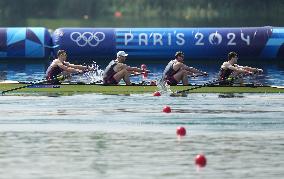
(226, 64)
(120, 64)
(56, 62)
(179, 64)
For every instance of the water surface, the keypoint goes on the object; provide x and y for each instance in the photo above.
(116, 136)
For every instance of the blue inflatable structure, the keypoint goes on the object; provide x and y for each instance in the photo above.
(21, 43)
(161, 43)
(151, 44)
(85, 43)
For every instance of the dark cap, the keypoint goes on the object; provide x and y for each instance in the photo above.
(60, 52)
(179, 53)
(232, 55)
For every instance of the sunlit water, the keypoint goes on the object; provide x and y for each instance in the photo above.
(114, 136)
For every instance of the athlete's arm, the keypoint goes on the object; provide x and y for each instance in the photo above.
(192, 70)
(251, 69)
(236, 68)
(80, 67)
(68, 68)
(134, 69)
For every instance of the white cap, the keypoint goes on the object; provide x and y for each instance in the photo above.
(121, 53)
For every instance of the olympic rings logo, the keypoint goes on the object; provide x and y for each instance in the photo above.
(91, 38)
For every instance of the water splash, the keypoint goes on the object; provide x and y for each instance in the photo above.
(93, 76)
(96, 75)
(163, 86)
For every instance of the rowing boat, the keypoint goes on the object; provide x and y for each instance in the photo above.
(135, 89)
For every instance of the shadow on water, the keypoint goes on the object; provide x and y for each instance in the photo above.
(223, 111)
(231, 95)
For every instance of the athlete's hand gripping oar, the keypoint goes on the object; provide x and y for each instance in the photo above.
(137, 74)
(142, 71)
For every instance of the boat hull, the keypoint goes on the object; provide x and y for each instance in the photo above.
(76, 88)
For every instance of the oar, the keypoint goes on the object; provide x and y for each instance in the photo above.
(207, 84)
(32, 84)
(37, 82)
(201, 86)
(194, 76)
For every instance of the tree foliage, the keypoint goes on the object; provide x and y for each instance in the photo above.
(145, 12)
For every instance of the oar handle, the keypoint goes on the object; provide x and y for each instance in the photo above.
(137, 74)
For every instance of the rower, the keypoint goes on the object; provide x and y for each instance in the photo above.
(230, 70)
(117, 70)
(60, 66)
(177, 71)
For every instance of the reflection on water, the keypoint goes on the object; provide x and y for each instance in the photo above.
(110, 136)
(66, 155)
(231, 95)
(21, 72)
(116, 136)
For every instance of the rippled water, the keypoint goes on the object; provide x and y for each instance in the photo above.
(115, 136)
(273, 74)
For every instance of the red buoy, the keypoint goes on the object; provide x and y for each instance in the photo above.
(181, 131)
(200, 160)
(167, 109)
(156, 93)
